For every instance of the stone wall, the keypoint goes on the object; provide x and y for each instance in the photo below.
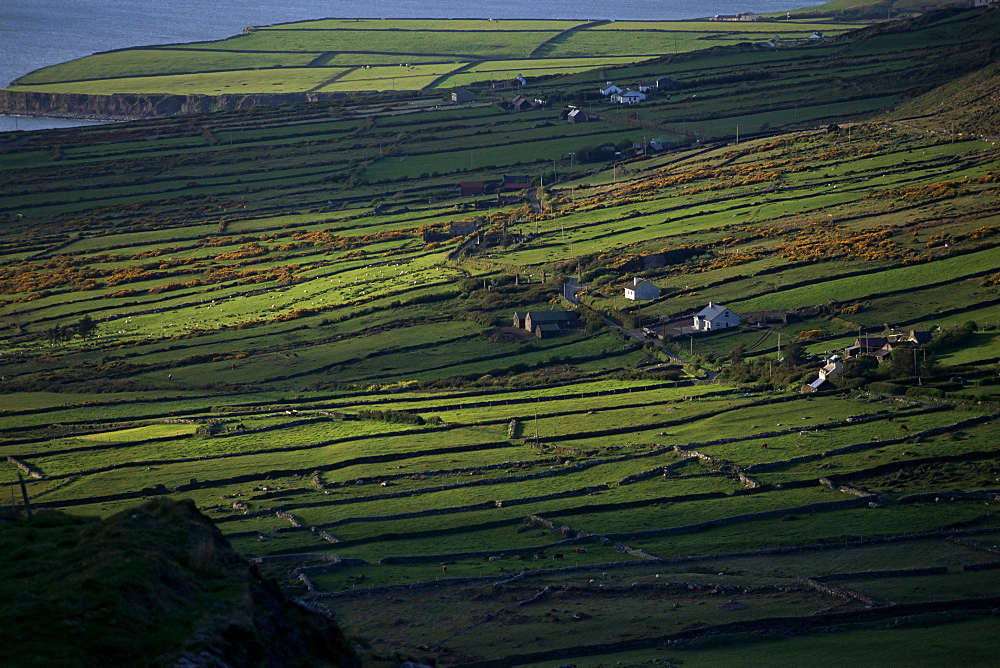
(876, 575)
(24, 467)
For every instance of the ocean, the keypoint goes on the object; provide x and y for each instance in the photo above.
(37, 33)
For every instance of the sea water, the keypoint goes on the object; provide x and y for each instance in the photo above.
(38, 33)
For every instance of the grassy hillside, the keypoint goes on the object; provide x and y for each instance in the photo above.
(966, 107)
(293, 317)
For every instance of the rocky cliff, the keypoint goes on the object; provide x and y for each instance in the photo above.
(130, 107)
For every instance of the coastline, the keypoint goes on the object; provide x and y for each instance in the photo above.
(120, 108)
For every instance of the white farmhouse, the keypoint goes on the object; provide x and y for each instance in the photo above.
(832, 368)
(628, 97)
(714, 317)
(641, 289)
(611, 89)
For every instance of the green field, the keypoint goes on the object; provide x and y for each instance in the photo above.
(297, 57)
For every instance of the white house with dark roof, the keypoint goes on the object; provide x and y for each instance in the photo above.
(715, 316)
(628, 97)
(641, 289)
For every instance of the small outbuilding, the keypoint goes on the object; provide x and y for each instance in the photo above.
(547, 330)
(516, 82)
(641, 289)
(521, 103)
(473, 188)
(870, 345)
(545, 324)
(461, 96)
(516, 182)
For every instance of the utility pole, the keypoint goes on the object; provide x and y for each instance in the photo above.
(24, 495)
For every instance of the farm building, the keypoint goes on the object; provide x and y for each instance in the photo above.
(516, 182)
(461, 96)
(462, 228)
(665, 82)
(744, 16)
(520, 103)
(611, 89)
(869, 345)
(818, 385)
(575, 116)
(879, 347)
(714, 317)
(545, 323)
(628, 97)
(918, 337)
(831, 369)
(516, 82)
(641, 289)
(547, 330)
(473, 188)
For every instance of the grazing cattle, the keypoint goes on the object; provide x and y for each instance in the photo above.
(763, 445)
(579, 550)
(557, 556)
(444, 569)
(803, 433)
(493, 559)
(903, 427)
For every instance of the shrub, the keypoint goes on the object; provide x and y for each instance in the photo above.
(886, 388)
(391, 416)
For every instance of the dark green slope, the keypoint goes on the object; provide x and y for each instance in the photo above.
(156, 585)
(970, 105)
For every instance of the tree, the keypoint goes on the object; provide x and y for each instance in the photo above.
(86, 326)
(794, 354)
(737, 353)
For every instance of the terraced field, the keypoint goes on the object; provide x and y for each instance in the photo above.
(294, 317)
